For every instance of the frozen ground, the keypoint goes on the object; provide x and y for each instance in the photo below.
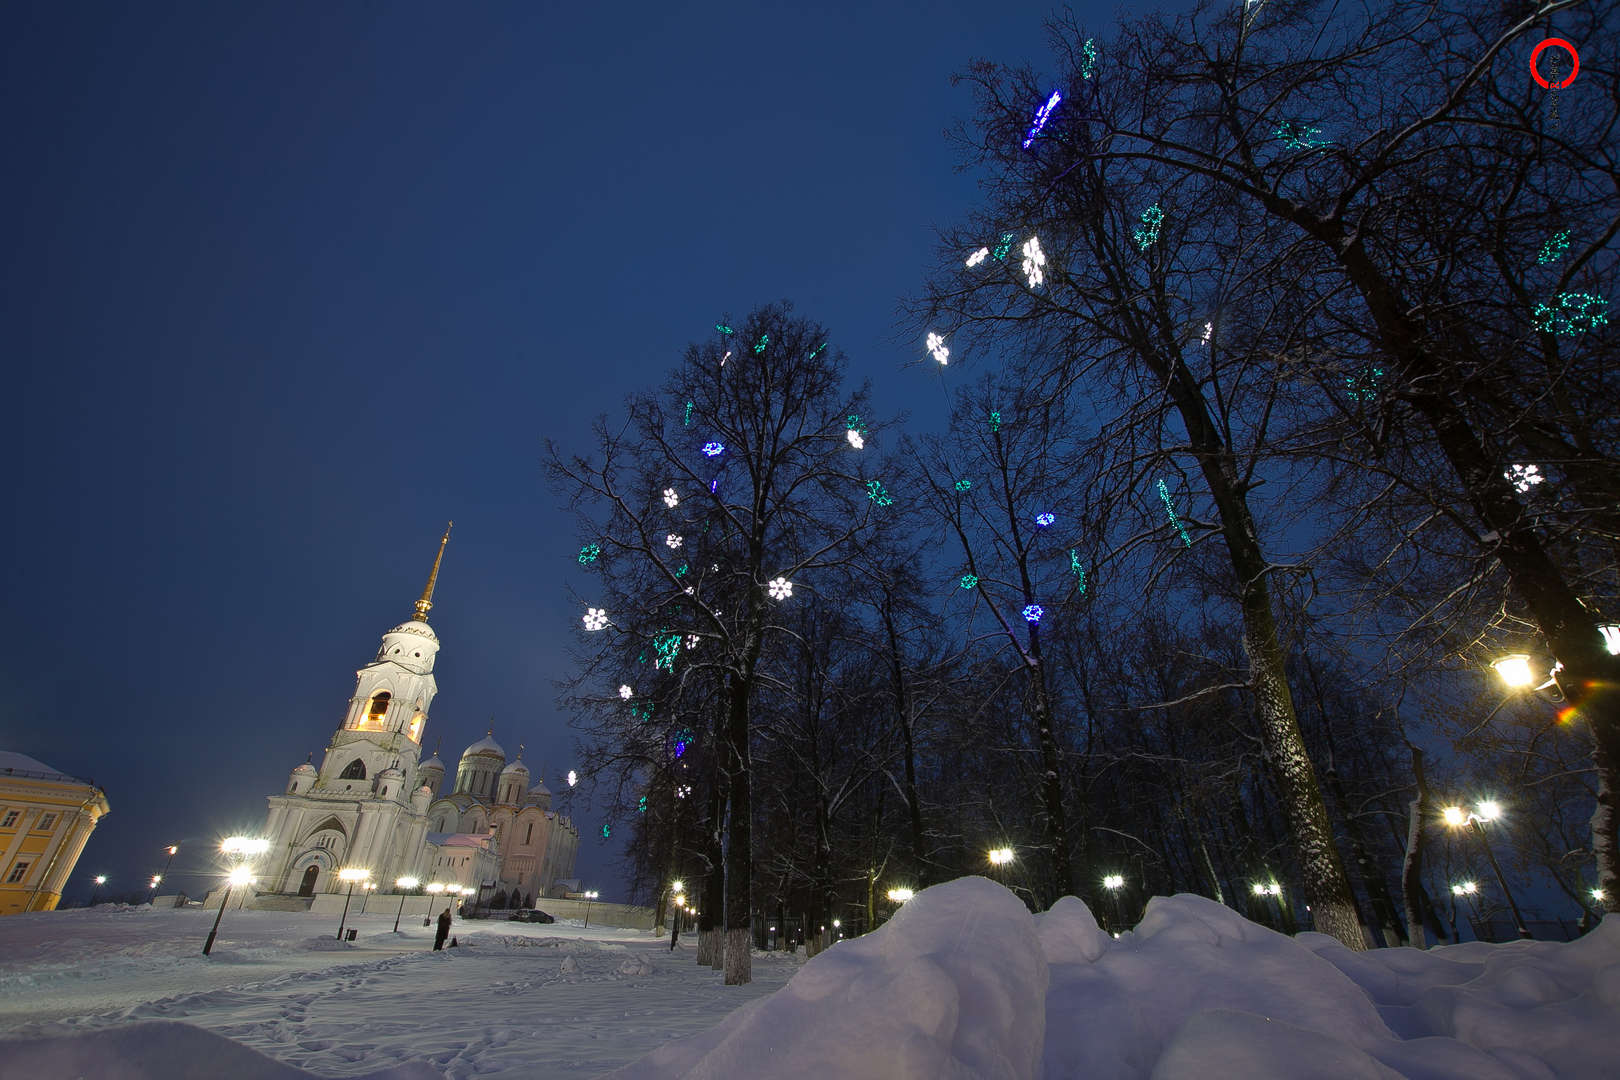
(961, 983)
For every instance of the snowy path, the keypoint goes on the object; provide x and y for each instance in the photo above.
(504, 1004)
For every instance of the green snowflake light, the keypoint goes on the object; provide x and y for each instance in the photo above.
(606, 832)
(1004, 246)
(589, 554)
(815, 352)
(681, 570)
(667, 644)
(1364, 384)
(964, 486)
(1300, 136)
(995, 422)
(1079, 571)
(688, 421)
(723, 328)
(1147, 233)
(1088, 58)
(876, 492)
(759, 346)
(641, 807)
(1570, 313)
(969, 581)
(1170, 508)
(1554, 248)
(641, 712)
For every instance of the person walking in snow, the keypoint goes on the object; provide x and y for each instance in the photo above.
(443, 931)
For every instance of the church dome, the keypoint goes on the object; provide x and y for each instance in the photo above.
(516, 768)
(540, 789)
(433, 762)
(486, 745)
(417, 627)
(304, 769)
(391, 773)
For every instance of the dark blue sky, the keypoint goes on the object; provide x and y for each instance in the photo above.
(288, 285)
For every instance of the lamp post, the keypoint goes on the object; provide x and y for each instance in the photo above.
(242, 875)
(1487, 810)
(999, 858)
(173, 850)
(101, 879)
(588, 898)
(353, 875)
(1270, 888)
(406, 883)
(1113, 883)
(238, 849)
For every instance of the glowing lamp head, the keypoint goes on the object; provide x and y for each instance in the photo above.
(435, 887)
(1001, 856)
(1114, 881)
(353, 873)
(174, 849)
(678, 887)
(1454, 816)
(155, 879)
(1611, 637)
(244, 845)
(1465, 888)
(101, 879)
(900, 896)
(406, 883)
(1489, 810)
(1597, 894)
(836, 924)
(242, 875)
(1514, 670)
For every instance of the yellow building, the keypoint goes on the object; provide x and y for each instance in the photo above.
(45, 818)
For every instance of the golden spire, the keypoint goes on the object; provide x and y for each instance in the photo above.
(424, 605)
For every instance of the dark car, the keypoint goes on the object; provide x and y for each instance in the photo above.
(529, 915)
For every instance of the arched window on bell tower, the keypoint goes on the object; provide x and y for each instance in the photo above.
(378, 708)
(354, 770)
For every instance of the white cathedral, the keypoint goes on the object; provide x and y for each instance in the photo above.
(374, 804)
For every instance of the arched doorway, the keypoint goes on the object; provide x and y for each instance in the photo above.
(307, 888)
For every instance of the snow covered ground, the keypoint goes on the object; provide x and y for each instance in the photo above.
(962, 982)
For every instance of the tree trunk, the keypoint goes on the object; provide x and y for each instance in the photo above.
(903, 711)
(739, 839)
(1412, 893)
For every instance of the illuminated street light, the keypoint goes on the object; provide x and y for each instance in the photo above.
(1611, 638)
(1514, 670)
(590, 896)
(900, 896)
(239, 849)
(101, 879)
(1465, 888)
(1001, 856)
(407, 883)
(1488, 810)
(1597, 894)
(1113, 881)
(354, 875)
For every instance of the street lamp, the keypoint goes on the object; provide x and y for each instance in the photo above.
(101, 879)
(588, 898)
(1488, 810)
(1514, 670)
(407, 883)
(353, 875)
(240, 875)
(900, 896)
(173, 850)
(1113, 883)
(1001, 856)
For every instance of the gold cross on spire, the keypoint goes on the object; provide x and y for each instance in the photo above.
(425, 604)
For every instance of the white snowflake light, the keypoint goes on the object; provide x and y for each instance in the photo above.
(692, 641)
(671, 498)
(1524, 477)
(1034, 259)
(673, 540)
(573, 778)
(1209, 328)
(724, 358)
(780, 588)
(936, 347)
(595, 618)
(978, 257)
(855, 439)
(625, 692)
(683, 791)
(690, 591)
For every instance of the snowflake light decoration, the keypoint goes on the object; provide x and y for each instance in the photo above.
(876, 492)
(1570, 313)
(573, 778)
(964, 486)
(855, 432)
(935, 344)
(606, 832)
(1170, 508)
(682, 790)
(1147, 233)
(1363, 385)
(1299, 136)
(1554, 248)
(1042, 520)
(759, 346)
(625, 692)
(713, 449)
(642, 712)
(688, 422)
(1032, 614)
(595, 619)
(1042, 115)
(1034, 259)
(674, 540)
(692, 641)
(815, 352)
(1003, 246)
(1079, 571)
(724, 329)
(969, 581)
(995, 422)
(641, 806)
(589, 554)
(780, 588)
(1088, 58)
(1209, 328)
(1524, 477)
(672, 498)
(978, 257)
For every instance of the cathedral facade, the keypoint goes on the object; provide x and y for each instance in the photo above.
(373, 803)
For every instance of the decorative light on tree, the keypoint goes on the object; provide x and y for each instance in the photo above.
(1079, 571)
(815, 352)
(1147, 233)
(780, 588)
(964, 486)
(595, 618)
(1034, 259)
(1524, 477)
(724, 358)
(1042, 115)
(1569, 313)
(1088, 58)
(856, 432)
(1364, 384)
(995, 422)
(1043, 519)
(642, 712)
(714, 485)
(1299, 136)
(606, 832)
(683, 790)
(573, 778)
(978, 257)
(672, 498)
(1003, 246)
(1033, 613)
(876, 492)
(1554, 248)
(668, 646)
(674, 540)
(680, 571)
(688, 421)
(1611, 638)
(1170, 508)
(641, 806)
(723, 328)
(589, 554)
(713, 449)
(759, 346)
(935, 344)
(625, 692)
(1209, 328)
(969, 581)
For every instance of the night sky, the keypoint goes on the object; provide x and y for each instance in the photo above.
(289, 285)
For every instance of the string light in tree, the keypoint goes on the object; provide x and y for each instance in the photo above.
(969, 581)
(672, 498)
(682, 790)
(759, 346)
(688, 421)
(1147, 233)
(1043, 519)
(1170, 508)
(935, 344)
(815, 352)
(1003, 246)
(978, 257)
(573, 778)
(642, 712)
(855, 432)
(692, 641)
(589, 554)
(625, 692)
(876, 492)
(668, 646)
(1209, 328)
(1034, 259)
(1570, 313)
(606, 832)
(674, 540)
(964, 486)
(1033, 613)
(780, 588)
(724, 329)
(713, 449)
(595, 619)
(1300, 136)
(1088, 58)
(1042, 115)
(724, 358)
(995, 422)
(1524, 477)
(1364, 384)
(641, 807)
(714, 487)
(1554, 248)
(1079, 571)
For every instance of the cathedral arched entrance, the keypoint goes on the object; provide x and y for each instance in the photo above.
(307, 886)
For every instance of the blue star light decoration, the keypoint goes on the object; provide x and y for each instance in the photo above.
(1042, 520)
(1570, 313)
(713, 449)
(1042, 115)
(876, 492)
(1147, 233)
(589, 554)
(1033, 613)
(1170, 508)
(1554, 248)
